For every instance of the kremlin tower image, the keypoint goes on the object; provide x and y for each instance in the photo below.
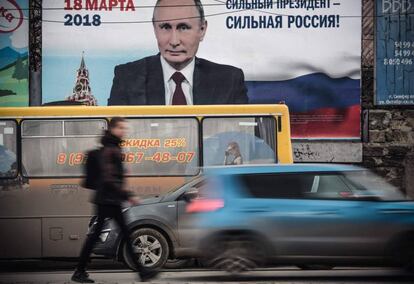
(82, 91)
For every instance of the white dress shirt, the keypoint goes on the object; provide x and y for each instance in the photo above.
(169, 84)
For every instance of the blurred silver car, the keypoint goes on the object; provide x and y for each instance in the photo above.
(155, 230)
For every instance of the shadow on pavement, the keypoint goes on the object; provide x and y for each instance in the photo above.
(66, 264)
(297, 276)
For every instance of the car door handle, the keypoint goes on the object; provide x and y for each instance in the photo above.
(325, 212)
(255, 210)
(396, 211)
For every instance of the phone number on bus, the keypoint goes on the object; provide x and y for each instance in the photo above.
(74, 159)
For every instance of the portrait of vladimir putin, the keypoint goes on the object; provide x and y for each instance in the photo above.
(175, 76)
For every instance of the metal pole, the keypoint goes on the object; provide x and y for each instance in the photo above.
(35, 53)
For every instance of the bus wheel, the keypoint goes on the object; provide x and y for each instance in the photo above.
(150, 249)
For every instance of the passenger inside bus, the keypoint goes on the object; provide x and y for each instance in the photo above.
(232, 155)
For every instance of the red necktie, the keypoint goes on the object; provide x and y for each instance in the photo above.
(178, 96)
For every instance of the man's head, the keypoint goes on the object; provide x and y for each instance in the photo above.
(118, 127)
(179, 27)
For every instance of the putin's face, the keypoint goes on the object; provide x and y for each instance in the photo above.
(178, 30)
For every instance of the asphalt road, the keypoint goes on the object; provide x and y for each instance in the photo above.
(291, 275)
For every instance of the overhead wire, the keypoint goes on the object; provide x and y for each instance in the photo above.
(219, 3)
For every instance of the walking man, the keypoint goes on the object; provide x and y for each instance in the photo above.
(110, 194)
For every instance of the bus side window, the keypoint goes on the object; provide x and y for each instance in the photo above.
(56, 148)
(8, 149)
(162, 147)
(239, 140)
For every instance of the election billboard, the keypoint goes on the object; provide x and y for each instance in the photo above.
(394, 52)
(306, 54)
(14, 63)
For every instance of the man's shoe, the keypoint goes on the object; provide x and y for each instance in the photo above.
(147, 275)
(81, 277)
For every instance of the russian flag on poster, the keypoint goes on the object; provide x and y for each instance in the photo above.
(320, 106)
(304, 53)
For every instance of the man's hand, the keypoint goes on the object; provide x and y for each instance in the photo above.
(134, 200)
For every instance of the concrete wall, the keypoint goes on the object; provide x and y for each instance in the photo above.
(327, 151)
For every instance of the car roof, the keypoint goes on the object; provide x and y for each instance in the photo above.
(278, 168)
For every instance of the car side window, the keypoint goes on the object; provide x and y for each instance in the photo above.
(329, 186)
(278, 185)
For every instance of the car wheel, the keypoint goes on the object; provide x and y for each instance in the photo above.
(315, 267)
(401, 251)
(409, 267)
(177, 263)
(202, 262)
(150, 248)
(235, 255)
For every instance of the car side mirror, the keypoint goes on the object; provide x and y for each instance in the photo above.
(191, 194)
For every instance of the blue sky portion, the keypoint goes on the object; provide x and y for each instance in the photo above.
(58, 79)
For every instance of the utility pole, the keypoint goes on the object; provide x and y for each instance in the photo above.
(35, 53)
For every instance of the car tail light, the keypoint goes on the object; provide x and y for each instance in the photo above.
(204, 205)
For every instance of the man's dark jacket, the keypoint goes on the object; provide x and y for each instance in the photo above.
(110, 191)
(142, 83)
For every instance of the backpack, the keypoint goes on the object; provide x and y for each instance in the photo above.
(92, 169)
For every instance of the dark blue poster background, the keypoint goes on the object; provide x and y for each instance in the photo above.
(395, 52)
